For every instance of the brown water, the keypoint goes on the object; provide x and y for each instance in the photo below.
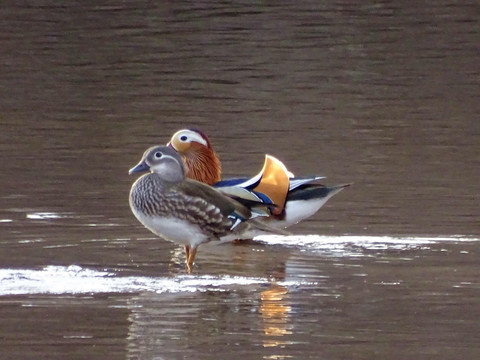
(381, 94)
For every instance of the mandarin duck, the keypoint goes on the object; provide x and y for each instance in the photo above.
(289, 199)
(186, 211)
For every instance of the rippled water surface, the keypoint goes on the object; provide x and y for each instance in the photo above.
(381, 94)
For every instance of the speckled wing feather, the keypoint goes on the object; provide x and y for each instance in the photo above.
(156, 198)
(198, 211)
(239, 214)
(226, 205)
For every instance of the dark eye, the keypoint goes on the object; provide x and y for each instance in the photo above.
(183, 138)
(158, 155)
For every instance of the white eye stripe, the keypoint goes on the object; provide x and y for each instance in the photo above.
(170, 157)
(191, 136)
(160, 163)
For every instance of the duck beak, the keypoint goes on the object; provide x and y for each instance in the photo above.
(141, 167)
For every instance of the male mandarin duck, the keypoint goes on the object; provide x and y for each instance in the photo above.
(289, 199)
(186, 211)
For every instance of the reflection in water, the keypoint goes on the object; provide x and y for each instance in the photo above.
(177, 257)
(274, 311)
(179, 324)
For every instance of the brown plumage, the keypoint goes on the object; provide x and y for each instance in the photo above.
(202, 163)
(196, 157)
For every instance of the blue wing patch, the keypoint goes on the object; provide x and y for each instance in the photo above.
(230, 182)
(235, 219)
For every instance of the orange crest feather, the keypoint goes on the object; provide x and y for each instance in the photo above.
(202, 164)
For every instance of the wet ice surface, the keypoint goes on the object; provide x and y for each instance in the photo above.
(345, 245)
(280, 297)
(75, 279)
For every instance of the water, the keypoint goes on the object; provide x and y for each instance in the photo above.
(383, 95)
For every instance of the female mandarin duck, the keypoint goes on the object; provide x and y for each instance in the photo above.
(186, 211)
(293, 198)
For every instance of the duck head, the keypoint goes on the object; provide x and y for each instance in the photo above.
(163, 161)
(201, 161)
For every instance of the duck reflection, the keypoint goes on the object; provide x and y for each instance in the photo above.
(275, 313)
(247, 259)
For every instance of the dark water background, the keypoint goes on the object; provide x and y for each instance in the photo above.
(382, 94)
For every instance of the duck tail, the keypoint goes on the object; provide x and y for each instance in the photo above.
(314, 191)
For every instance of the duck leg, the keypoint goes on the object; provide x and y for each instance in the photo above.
(190, 259)
(187, 256)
